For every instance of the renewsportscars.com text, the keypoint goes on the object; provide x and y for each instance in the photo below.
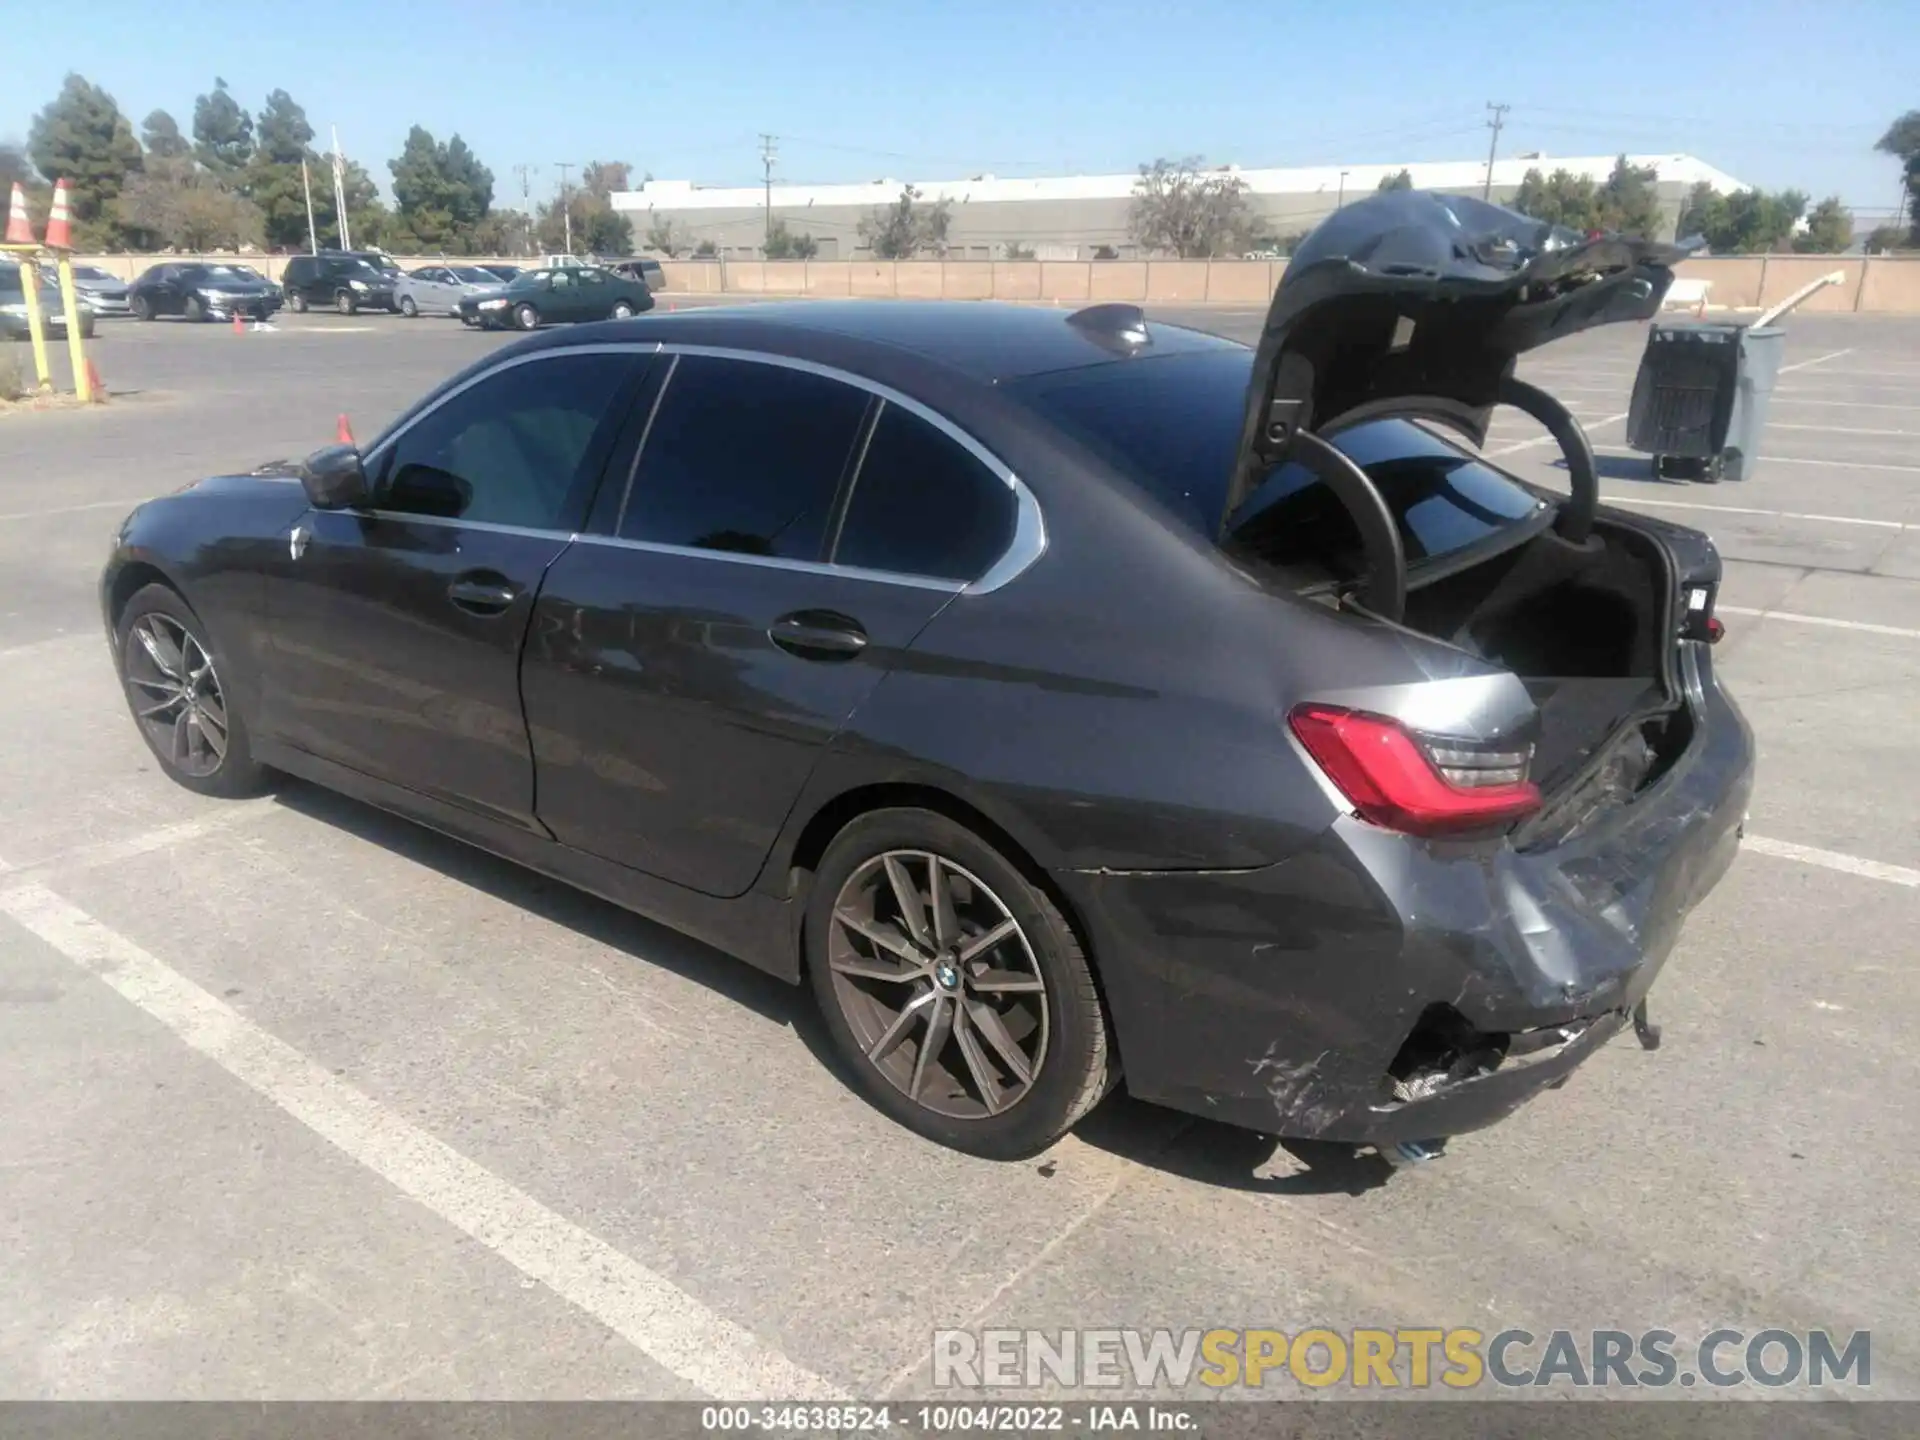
(1398, 1358)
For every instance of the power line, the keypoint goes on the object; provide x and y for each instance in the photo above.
(1493, 146)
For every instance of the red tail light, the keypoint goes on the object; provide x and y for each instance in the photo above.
(1407, 782)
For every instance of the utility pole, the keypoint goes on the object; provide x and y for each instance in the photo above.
(526, 174)
(1499, 119)
(1342, 200)
(768, 151)
(566, 210)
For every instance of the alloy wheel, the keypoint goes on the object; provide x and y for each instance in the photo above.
(939, 984)
(176, 695)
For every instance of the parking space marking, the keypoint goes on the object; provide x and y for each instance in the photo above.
(1836, 429)
(76, 509)
(1783, 460)
(641, 1306)
(1783, 397)
(1866, 626)
(111, 852)
(1833, 860)
(1549, 440)
(1748, 510)
(1817, 360)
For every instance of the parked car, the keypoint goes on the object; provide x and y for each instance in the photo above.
(439, 289)
(648, 272)
(1054, 694)
(104, 292)
(571, 293)
(53, 315)
(198, 291)
(504, 272)
(346, 283)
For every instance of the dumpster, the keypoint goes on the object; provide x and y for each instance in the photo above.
(1700, 397)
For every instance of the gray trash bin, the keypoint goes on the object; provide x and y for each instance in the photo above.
(1700, 398)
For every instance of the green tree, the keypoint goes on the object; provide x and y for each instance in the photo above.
(598, 229)
(1829, 229)
(1561, 198)
(1745, 222)
(1399, 180)
(272, 178)
(669, 237)
(161, 133)
(1902, 141)
(83, 138)
(184, 207)
(1194, 213)
(903, 229)
(783, 244)
(14, 167)
(222, 131)
(1884, 239)
(1627, 201)
(441, 192)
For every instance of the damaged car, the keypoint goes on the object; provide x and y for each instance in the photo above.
(1069, 700)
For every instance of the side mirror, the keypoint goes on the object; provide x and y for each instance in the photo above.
(335, 479)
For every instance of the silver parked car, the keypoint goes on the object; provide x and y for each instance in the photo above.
(439, 289)
(104, 293)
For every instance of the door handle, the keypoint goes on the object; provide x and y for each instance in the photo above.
(483, 594)
(818, 635)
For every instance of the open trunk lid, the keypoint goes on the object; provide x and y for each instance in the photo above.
(1418, 305)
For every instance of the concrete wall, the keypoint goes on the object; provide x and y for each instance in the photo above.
(1884, 285)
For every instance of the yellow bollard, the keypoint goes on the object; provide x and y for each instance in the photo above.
(76, 347)
(36, 326)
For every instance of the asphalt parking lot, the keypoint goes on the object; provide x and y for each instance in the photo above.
(298, 1100)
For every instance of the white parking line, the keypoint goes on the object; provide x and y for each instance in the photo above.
(112, 852)
(1866, 626)
(1782, 397)
(1833, 860)
(1746, 510)
(643, 1307)
(1783, 460)
(76, 509)
(1836, 429)
(1817, 360)
(1549, 440)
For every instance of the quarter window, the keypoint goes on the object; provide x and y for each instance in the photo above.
(923, 504)
(513, 449)
(744, 457)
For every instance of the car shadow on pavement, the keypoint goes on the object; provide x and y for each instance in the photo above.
(1227, 1156)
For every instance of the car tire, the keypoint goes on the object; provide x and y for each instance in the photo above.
(297, 303)
(526, 317)
(140, 307)
(623, 310)
(344, 302)
(1026, 1003)
(179, 704)
(408, 308)
(194, 310)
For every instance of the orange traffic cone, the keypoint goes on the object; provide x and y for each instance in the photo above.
(59, 232)
(343, 432)
(239, 325)
(19, 228)
(94, 385)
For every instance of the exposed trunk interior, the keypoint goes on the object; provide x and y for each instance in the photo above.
(1582, 625)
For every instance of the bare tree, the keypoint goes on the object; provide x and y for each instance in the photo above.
(1195, 213)
(902, 230)
(188, 208)
(669, 237)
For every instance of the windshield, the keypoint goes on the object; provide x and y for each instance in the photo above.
(1172, 425)
(474, 275)
(224, 272)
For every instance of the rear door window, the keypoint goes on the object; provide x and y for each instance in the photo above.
(923, 504)
(744, 456)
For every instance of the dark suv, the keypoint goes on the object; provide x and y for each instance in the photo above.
(344, 281)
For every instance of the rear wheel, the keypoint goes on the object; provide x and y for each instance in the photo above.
(623, 309)
(171, 670)
(408, 308)
(953, 987)
(526, 317)
(345, 303)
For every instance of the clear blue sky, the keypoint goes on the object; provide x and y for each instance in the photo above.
(1775, 92)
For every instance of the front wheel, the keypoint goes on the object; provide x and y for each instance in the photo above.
(345, 303)
(297, 303)
(171, 670)
(953, 987)
(408, 308)
(141, 307)
(526, 317)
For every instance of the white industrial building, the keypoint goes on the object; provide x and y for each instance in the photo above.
(1070, 217)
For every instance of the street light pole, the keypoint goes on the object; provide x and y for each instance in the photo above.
(566, 209)
(1342, 200)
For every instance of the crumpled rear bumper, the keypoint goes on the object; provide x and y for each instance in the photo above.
(1375, 989)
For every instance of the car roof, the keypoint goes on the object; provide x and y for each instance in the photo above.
(987, 341)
